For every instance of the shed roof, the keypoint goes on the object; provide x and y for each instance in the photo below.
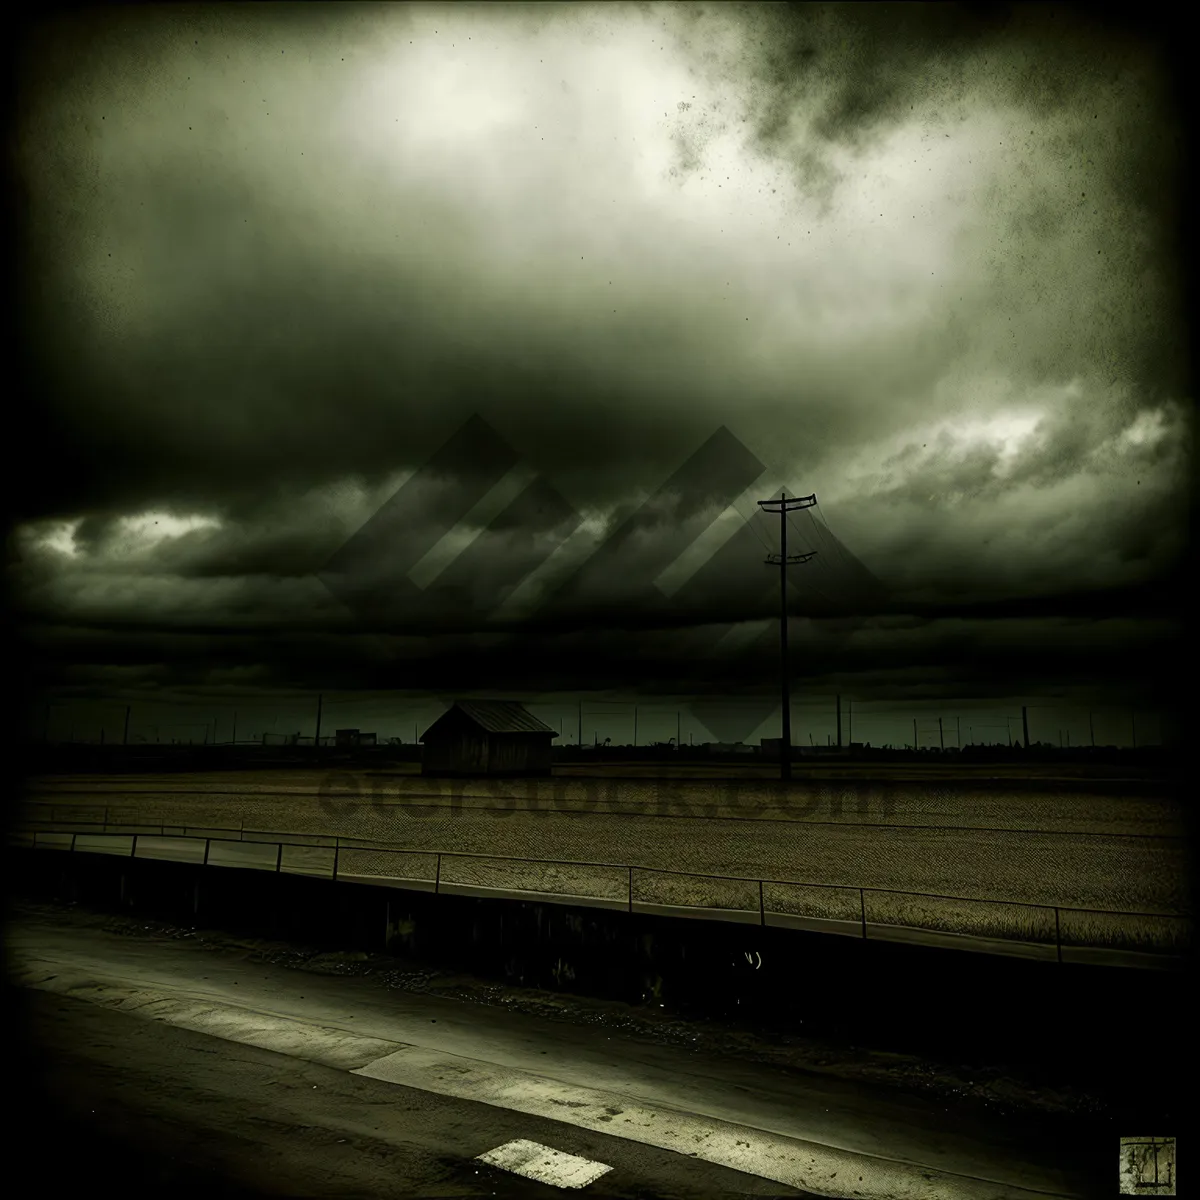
(497, 716)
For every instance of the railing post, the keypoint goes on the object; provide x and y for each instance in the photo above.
(1057, 934)
(862, 908)
(631, 889)
(762, 908)
(437, 878)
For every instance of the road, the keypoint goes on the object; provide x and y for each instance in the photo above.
(207, 1066)
(212, 1113)
(1124, 853)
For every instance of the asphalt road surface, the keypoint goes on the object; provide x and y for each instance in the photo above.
(159, 1106)
(164, 1065)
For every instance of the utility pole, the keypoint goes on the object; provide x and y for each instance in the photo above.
(317, 737)
(1092, 730)
(783, 506)
(850, 721)
(234, 729)
(678, 722)
(635, 726)
(958, 731)
(1025, 723)
(941, 740)
(125, 737)
(579, 734)
(914, 734)
(839, 722)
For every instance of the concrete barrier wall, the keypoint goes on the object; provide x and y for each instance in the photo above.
(979, 926)
(786, 977)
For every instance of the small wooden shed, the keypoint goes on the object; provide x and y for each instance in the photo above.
(487, 737)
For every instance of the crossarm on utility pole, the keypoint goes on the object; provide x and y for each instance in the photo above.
(784, 504)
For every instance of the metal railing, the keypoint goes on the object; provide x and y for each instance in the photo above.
(998, 939)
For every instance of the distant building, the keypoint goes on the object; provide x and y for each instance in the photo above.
(353, 737)
(727, 748)
(770, 748)
(487, 737)
(773, 748)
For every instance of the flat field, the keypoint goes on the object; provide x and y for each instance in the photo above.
(1075, 843)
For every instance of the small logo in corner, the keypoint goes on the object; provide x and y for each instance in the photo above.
(1148, 1166)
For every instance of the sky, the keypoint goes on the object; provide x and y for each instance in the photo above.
(396, 353)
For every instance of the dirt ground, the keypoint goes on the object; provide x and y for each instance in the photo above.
(1045, 846)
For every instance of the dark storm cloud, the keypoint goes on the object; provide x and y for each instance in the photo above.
(1102, 139)
(950, 656)
(915, 259)
(257, 335)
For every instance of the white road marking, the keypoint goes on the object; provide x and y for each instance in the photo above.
(808, 1166)
(545, 1165)
(314, 1043)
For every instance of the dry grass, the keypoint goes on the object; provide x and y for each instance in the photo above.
(567, 879)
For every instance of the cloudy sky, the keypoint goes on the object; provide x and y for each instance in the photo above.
(402, 352)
